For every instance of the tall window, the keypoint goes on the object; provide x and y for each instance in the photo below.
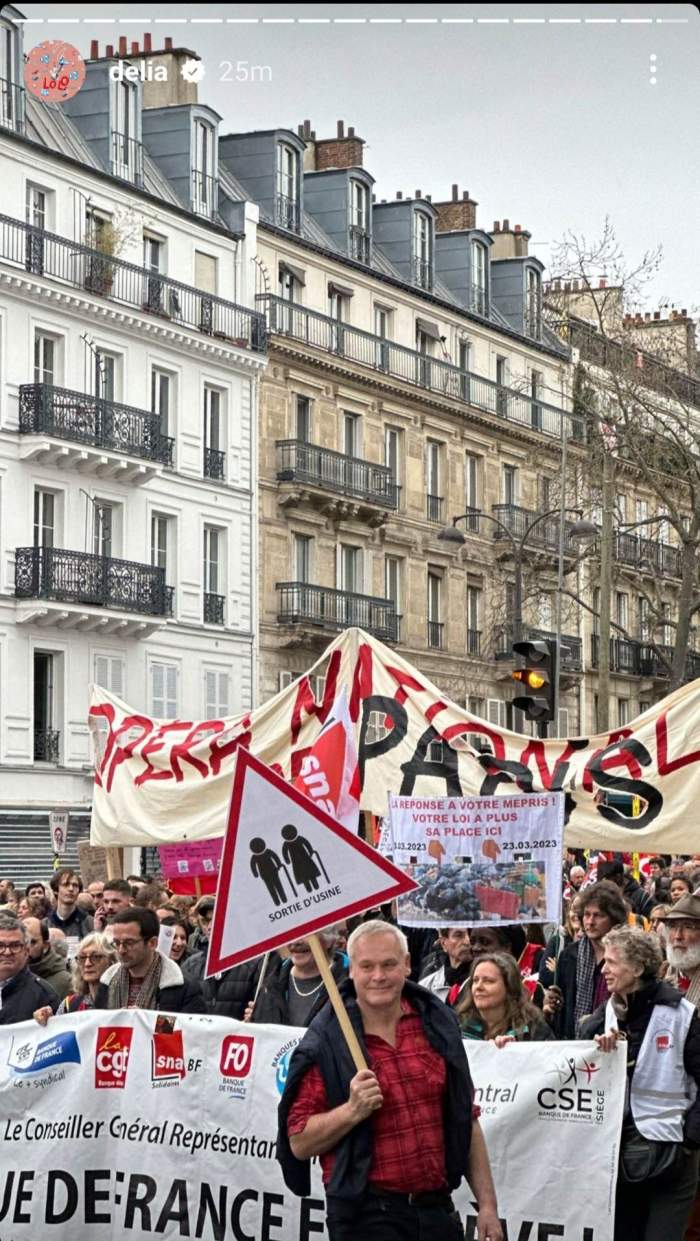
(351, 434)
(44, 359)
(621, 507)
(509, 484)
(382, 329)
(212, 540)
(164, 690)
(203, 173)
(213, 446)
(644, 624)
(668, 632)
(44, 518)
(287, 206)
(392, 453)
(478, 298)
(434, 610)
(46, 738)
(153, 262)
(623, 711)
(622, 609)
(159, 541)
(359, 222)
(303, 419)
(217, 693)
(501, 386)
(302, 557)
(464, 362)
(641, 512)
(392, 581)
(161, 398)
(109, 673)
(533, 308)
(471, 489)
(105, 376)
(36, 206)
(422, 250)
(350, 568)
(102, 528)
(125, 148)
(434, 480)
(536, 396)
(10, 114)
(473, 620)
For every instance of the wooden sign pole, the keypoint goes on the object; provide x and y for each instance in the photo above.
(197, 887)
(339, 1008)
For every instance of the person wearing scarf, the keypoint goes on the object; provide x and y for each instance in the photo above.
(451, 967)
(579, 985)
(143, 977)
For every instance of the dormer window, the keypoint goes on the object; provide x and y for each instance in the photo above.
(478, 289)
(422, 250)
(204, 196)
(287, 187)
(127, 151)
(359, 222)
(11, 90)
(533, 303)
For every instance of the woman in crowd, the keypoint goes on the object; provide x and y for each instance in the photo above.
(95, 954)
(657, 923)
(570, 930)
(179, 951)
(658, 1173)
(680, 886)
(496, 1004)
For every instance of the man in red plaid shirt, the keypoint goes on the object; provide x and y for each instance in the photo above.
(395, 1139)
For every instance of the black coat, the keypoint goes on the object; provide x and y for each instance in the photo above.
(22, 995)
(564, 1022)
(640, 901)
(176, 994)
(272, 1005)
(641, 1005)
(77, 923)
(229, 993)
(324, 1045)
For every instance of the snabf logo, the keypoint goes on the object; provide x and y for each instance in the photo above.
(236, 1055)
(112, 1056)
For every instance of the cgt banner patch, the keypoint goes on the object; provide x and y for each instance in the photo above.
(159, 781)
(198, 1161)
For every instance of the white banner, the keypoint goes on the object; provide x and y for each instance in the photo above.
(158, 781)
(479, 861)
(122, 1126)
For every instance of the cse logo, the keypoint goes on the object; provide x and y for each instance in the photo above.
(567, 1099)
(112, 1056)
(236, 1055)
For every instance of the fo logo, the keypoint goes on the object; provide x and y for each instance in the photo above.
(236, 1055)
(112, 1056)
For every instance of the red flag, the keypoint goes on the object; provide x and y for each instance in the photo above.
(330, 773)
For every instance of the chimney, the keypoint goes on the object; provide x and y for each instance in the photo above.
(417, 194)
(135, 49)
(339, 152)
(399, 194)
(168, 43)
(657, 314)
(602, 283)
(147, 42)
(122, 45)
(456, 214)
(109, 50)
(94, 49)
(509, 243)
(174, 90)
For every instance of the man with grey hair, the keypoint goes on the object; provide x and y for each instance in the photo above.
(20, 992)
(682, 924)
(396, 1139)
(293, 991)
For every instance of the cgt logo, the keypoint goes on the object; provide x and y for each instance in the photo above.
(112, 1056)
(236, 1057)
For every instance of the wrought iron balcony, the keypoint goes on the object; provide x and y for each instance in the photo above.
(214, 463)
(359, 244)
(436, 630)
(473, 642)
(625, 655)
(302, 603)
(47, 742)
(205, 193)
(571, 648)
(434, 507)
(624, 358)
(213, 609)
(11, 106)
(298, 461)
(647, 554)
(545, 533)
(318, 331)
(84, 419)
(287, 213)
(67, 262)
(423, 273)
(99, 581)
(127, 158)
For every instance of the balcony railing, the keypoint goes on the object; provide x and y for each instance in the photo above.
(624, 358)
(213, 609)
(571, 648)
(423, 273)
(544, 534)
(214, 463)
(473, 642)
(319, 331)
(127, 158)
(287, 213)
(300, 602)
(205, 193)
(47, 742)
(659, 558)
(359, 244)
(81, 267)
(84, 419)
(65, 576)
(434, 507)
(298, 461)
(11, 106)
(436, 630)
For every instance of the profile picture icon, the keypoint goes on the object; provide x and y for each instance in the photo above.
(54, 71)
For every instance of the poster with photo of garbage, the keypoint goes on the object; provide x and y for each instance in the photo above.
(478, 861)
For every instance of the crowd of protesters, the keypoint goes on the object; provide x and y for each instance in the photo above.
(623, 966)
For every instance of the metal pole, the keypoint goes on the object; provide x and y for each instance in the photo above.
(560, 574)
(606, 539)
(518, 599)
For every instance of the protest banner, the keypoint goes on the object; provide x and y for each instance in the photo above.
(58, 826)
(97, 863)
(190, 859)
(158, 781)
(125, 1125)
(478, 861)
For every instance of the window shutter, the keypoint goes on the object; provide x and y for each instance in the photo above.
(210, 695)
(158, 688)
(102, 671)
(285, 679)
(223, 703)
(116, 680)
(496, 712)
(171, 691)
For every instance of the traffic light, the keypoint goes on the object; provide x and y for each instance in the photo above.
(536, 673)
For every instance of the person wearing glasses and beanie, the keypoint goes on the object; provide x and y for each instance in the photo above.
(142, 977)
(20, 991)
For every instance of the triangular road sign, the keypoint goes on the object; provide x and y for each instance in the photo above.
(288, 869)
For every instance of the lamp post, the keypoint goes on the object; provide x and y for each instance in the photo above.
(581, 531)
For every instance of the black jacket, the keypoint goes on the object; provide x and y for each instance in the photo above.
(272, 1005)
(641, 1005)
(324, 1045)
(564, 1022)
(226, 994)
(22, 995)
(176, 993)
(640, 901)
(77, 923)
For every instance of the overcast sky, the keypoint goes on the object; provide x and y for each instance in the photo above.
(552, 125)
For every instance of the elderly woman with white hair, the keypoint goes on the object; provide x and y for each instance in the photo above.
(293, 991)
(660, 1031)
(95, 954)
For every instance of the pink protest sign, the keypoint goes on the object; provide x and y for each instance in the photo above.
(190, 859)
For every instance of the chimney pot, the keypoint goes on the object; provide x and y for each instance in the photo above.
(312, 135)
(168, 43)
(455, 193)
(657, 314)
(134, 47)
(647, 316)
(496, 226)
(517, 228)
(341, 129)
(300, 130)
(602, 283)
(417, 194)
(465, 194)
(307, 129)
(351, 131)
(147, 41)
(684, 314)
(94, 49)
(428, 198)
(506, 226)
(122, 45)
(399, 193)
(109, 50)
